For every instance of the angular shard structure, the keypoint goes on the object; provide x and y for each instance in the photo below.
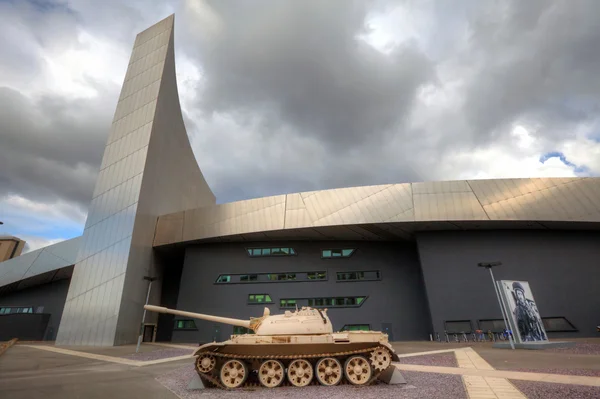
(148, 169)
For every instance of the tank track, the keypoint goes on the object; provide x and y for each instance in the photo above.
(212, 377)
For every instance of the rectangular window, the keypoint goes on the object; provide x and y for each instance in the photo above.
(279, 251)
(354, 301)
(282, 277)
(223, 279)
(259, 298)
(558, 324)
(356, 327)
(249, 277)
(337, 253)
(237, 330)
(358, 276)
(316, 275)
(287, 303)
(185, 325)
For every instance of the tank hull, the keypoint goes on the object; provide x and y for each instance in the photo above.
(368, 352)
(250, 344)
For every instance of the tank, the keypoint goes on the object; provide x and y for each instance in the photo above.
(296, 348)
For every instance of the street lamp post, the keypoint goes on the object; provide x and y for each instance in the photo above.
(150, 279)
(489, 265)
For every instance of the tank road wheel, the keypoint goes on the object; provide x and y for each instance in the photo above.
(271, 373)
(358, 370)
(205, 363)
(300, 372)
(329, 371)
(381, 359)
(233, 373)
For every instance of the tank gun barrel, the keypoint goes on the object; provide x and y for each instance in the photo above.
(217, 319)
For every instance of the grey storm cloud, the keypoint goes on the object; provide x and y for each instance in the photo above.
(537, 62)
(51, 149)
(302, 62)
(290, 100)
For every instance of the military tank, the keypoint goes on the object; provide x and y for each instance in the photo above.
(297, 348)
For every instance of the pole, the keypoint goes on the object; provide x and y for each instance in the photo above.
(137, 349)
(504, 316)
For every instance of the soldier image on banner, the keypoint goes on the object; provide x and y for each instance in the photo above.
(523, 311)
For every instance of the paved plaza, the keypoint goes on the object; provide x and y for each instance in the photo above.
(432, 370)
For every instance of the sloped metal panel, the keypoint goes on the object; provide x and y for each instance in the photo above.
(452, 200)
(249, 216)
(416, 206)
(148, 169)
(566, 199)
(40, 261)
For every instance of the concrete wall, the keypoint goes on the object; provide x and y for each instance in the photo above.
(398, 298)
(561, 267)
(51, 296)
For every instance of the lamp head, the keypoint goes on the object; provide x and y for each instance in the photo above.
(489, 265)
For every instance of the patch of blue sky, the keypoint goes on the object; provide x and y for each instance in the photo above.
(579, 169)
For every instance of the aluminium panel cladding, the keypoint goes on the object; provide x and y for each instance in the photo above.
(543, 199)
(397, 298)
(43, 260)
(111, 252)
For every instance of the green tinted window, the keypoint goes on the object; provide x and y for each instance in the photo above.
(337, 253)
(185, 325)
(223, 279)
(259, 298)
(287, 303)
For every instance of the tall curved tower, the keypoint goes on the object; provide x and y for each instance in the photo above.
(148, 169)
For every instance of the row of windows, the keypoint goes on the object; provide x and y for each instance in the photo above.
(237, 330)
(286, 251)
(12, 309)
(271, 277)
(353, 276)
(354, 301)
(297, 276)
(551, 324)
(271, 251)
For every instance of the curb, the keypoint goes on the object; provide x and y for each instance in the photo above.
(7, 345)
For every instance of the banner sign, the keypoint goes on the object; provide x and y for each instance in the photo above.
(523, 315)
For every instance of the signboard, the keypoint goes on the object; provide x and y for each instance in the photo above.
(523, 315)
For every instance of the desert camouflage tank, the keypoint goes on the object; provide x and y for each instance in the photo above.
(295, 348)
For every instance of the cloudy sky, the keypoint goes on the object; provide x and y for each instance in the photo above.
(286, 96)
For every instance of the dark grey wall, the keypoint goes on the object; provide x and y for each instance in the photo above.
(25, 326)
(51, 296)
(398, 298)
(563, 270)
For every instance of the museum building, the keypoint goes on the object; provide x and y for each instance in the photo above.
(400, 258)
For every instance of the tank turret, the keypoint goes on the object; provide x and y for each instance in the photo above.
(306, 321)
(296, 347)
